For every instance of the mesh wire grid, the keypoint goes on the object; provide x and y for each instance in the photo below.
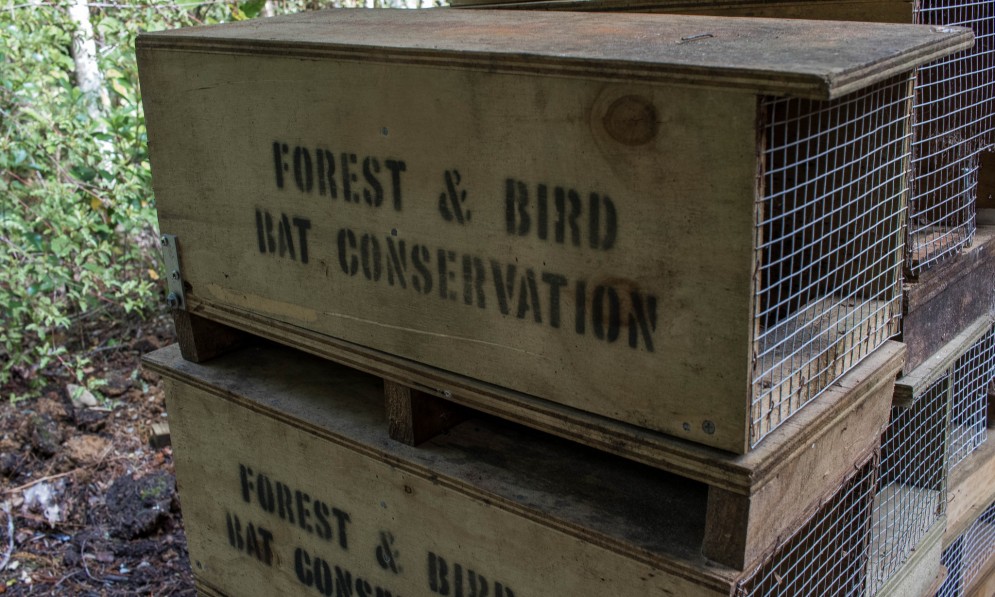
(972, 374)
(969, 555)
(829, 242)
(827, 555)
(911, 482)
(954, 122)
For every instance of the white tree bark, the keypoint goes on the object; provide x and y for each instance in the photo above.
(269, 9)
(88, 75)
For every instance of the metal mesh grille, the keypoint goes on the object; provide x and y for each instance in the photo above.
(972, 373)
(827, 555)
(829, 242)
(969, 555)
(910, 496)
(954, 121)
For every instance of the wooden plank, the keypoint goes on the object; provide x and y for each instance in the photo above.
(301, 474)
(414, 417)
(984, 583)
(915, 382)
(971, 489)
(809, 59)
(918, 576)
(876, 11)
(947, 297)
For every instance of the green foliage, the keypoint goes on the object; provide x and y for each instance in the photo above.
(78, 233)
(77, 218)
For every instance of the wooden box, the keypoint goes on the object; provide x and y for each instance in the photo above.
(955, 102)
(290, 485)
(644, 227)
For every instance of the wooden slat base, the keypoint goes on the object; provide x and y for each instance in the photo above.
(948, 297)
(808, 456)
(738, 524)
(290, 485)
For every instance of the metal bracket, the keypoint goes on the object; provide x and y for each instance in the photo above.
(174, 276)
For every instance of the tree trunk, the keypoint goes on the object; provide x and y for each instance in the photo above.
(88, 76)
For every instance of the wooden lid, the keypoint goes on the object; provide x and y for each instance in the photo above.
(815, 59)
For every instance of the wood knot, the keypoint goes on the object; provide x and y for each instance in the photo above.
(631, 120)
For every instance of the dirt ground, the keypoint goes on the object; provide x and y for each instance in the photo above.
(88, 503)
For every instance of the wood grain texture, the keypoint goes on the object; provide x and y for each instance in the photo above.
(809, 59)
(948, 297)
(874, 11)
(535, 514)
(971, 489)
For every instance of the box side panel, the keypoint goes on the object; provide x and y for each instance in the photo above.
(271, 508)
(582, 242)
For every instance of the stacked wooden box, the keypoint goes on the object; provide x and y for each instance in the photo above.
(670, 252)
(948, 292)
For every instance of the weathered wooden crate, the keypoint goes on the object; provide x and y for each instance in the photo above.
(955, 101)
(258, 429)
(643, 228)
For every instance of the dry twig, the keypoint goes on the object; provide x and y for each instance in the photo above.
(10, 536)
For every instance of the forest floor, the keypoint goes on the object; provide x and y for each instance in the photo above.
(88, 502)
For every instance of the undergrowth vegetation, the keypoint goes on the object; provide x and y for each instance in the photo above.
(78, 233)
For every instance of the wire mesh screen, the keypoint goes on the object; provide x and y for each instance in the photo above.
(955, 121)
(911, 477)
(829, 242)
(827, 555)
(972, 374)
(969, 555)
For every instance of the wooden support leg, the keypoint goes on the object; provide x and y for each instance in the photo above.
(727, 528)
(986, 180)
(414, 417)
(202, 339)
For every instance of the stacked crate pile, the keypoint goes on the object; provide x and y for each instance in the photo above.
(938, 419)
(671, 253)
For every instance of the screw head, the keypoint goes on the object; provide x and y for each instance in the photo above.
(174, 275)
(708, 427)
(173, 300)
(164, 241)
